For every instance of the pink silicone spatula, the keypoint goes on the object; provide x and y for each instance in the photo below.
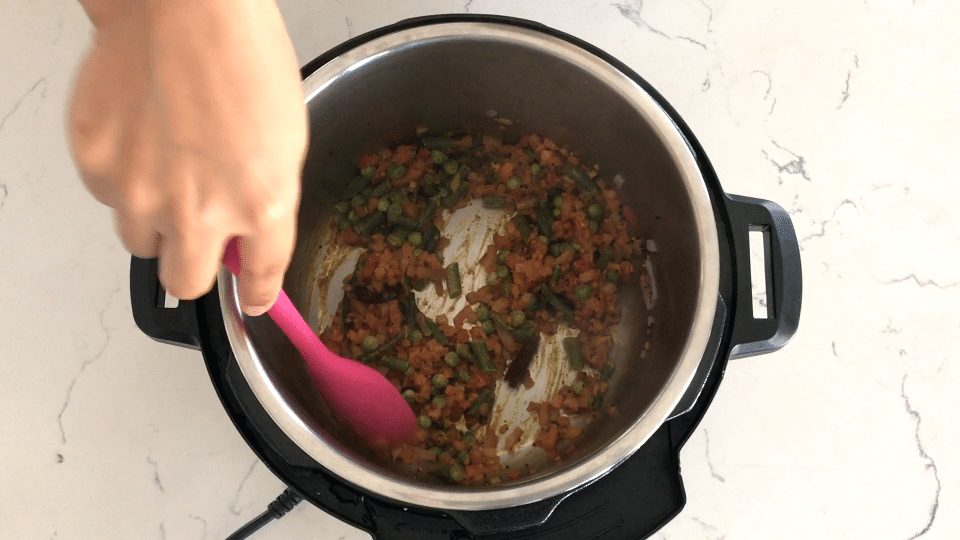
(358, 395)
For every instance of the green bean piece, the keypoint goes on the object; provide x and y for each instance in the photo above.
(594, 226)
(544, 219)
(428, 212)
(398, 196)
(463, 350)
(556, 212)
(397, 237)
(437, 157)
(501, 324)
(415, 238)
(535, 169)
(410, 395)
(424, 421)
(558, 201)
(595, 211)
(597, 402)
(463, 375)
(383, 204)
(396, 171)
(517, 317)
(503, 271)
(415, 335)
(407, 223)
(439, 381)
(370, 343)
(524, 333)
(493, 201)
(487, 326)
(352, 217)
(368, 171)
(436, 450)
(440, 401)
(420, 285)
(557, 273)
(606, 255)
(561, 308)
(577, 386)
(582, 180)
(513, 182)
(507, 286)
(369, 222)
(572, 346)
(523, 225)
(485, 395)
(452, 472)
(394, 211)
(481, 357)
(454, 288)
(434, 331)
(437, 143)
(502, 256)
(392, 362)
(468, 437)
(452, 199)
(381, 189)
(451, 167)
(342, 207)
(607, 371)
(566, 246)
(452, 359)
(355, 186)
(555, 250)
(463, 457)
(409, 371)
(491, 278)
(582, 292)
(483, 313)
(612, 277)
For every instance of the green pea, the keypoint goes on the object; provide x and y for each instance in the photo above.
(370, 343)
(582, 292)
(451, 166)
(396, 171)
(452, 359)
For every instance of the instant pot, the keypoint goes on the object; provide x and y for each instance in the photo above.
(453, 73)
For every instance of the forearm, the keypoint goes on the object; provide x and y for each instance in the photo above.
(103, 12)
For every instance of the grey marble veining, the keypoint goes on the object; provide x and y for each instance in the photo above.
(845, 113)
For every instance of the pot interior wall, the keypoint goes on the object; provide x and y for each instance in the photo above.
(451, 84)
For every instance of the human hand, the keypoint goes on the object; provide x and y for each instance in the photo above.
(187, 119)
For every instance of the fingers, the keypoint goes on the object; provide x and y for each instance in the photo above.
(264, 257)
(140, 239)
(189, 263)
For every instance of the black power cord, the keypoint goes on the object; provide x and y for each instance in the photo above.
(275, 510)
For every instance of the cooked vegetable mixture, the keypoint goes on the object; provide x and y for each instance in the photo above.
(558, 261)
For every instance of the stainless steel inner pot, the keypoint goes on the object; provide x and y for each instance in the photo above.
(449, 77)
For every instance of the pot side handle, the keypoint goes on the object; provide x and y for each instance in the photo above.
(508, 520)
(752, 336)
(174, 326)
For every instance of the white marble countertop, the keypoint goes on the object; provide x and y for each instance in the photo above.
(845, 113)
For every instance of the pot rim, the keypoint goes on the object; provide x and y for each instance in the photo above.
(618, 449)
